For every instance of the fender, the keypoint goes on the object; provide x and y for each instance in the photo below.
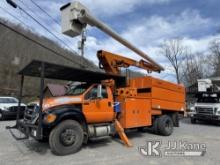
(65, 112)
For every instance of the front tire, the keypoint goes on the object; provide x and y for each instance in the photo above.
(66, 138)
(165, 125)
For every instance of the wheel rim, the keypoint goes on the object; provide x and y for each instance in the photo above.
(68, 137)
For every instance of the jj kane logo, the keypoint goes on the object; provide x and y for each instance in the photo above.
(172, 148)
(152, 148)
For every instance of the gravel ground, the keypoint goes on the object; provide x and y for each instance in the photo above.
(111, 151)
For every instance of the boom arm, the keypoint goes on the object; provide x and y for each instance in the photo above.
(75, 17)
(112, 63)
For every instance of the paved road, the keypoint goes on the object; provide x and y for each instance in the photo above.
(111, 152)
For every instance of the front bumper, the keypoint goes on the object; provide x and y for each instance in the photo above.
(205, 117)
(28, 130)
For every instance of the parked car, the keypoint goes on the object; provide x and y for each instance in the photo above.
(9, 107)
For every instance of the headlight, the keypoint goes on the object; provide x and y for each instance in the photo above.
(5, 109)
(192, 109)
(49, 118)
(217, 111)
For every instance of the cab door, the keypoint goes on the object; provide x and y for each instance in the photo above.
(97, 110)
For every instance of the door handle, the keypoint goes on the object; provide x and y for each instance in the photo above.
(109, 104)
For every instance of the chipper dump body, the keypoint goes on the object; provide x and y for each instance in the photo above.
(148, 96)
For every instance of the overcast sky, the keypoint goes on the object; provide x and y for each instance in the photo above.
(145, 23)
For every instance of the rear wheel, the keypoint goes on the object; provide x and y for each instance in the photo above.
(66, 138)
(165, 125)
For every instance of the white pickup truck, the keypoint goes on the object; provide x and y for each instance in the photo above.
(9, 107)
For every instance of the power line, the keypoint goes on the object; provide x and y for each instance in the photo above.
(38, 43)
(16, 18)
(52, 18)
(19, 7)
(56, 22)
(45, 12)
(44, 27)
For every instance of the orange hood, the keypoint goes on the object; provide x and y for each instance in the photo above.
(63, 100)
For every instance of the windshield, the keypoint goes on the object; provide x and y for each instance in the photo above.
(8, 100)
(77, 90)
(208, 100)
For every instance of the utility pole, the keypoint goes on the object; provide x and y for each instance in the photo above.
(81, 45)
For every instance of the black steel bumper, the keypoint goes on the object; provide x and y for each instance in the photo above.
(206, 117)
(28, 130)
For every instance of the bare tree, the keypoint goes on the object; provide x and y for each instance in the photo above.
(175, 52)
(194, 67)
(215, 56)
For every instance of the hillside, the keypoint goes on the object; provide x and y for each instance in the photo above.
(19, 46)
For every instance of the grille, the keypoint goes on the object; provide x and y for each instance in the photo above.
(204, 110)
(31, 113)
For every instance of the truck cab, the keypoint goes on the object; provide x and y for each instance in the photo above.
(95, 101)
(89, 103)
(88, 107)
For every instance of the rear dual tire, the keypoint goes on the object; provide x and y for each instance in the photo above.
(66, 138)
(163, 125)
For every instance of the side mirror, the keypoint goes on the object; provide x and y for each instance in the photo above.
(99, 91)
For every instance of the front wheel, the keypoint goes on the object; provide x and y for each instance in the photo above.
(66, 138)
